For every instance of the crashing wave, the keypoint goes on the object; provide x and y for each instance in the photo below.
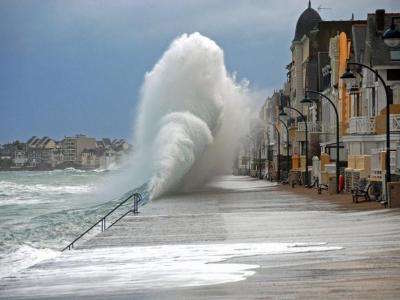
(191, 114)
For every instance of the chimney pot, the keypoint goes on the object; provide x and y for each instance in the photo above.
(380, 19)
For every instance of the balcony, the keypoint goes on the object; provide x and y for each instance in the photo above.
(312, 127)
(362, 125)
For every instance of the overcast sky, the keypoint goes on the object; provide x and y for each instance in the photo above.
(70, 67)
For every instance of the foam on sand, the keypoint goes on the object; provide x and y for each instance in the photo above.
(156, 267)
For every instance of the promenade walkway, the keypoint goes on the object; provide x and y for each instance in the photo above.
(238, 238)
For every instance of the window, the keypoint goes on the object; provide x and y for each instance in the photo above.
(357, 104)
(393, 74)
(395, 55)
(373, 102)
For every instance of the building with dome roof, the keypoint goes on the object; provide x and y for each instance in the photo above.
(310, 54)
(306, 22)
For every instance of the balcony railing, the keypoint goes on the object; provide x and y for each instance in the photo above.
(395, 123)
(366, 125)
(312, 127)
(362, 125)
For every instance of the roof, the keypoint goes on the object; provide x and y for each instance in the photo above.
(31, 139)
(306, 22)
(106, 141)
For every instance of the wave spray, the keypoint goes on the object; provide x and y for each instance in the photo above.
(191, 116)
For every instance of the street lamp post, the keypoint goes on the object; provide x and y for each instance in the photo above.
(282, 113)
(259, 158)
(278, 166)
(287, 149)
(307, 100)
(249, 163)
(250, 140)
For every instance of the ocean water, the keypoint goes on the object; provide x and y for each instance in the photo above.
(41, 212)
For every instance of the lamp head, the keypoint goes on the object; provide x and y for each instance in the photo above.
(306, 100)
(348, 77)
(282, 113)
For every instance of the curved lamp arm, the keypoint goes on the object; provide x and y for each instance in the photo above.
(325, 97)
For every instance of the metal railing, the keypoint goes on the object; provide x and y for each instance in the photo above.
(136, 200)
(313, 127)
(362, 125)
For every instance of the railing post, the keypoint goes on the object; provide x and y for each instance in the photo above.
(135, 205)
(103, 224)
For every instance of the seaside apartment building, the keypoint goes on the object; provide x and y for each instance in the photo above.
(365, 139)
(40, 151)
(72, 147)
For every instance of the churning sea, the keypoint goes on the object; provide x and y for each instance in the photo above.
(42, 211)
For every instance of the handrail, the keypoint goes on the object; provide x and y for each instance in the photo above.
(136, 198)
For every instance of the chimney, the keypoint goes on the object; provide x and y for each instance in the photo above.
(380, 19)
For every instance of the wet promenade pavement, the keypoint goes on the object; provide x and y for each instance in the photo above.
(238, 238)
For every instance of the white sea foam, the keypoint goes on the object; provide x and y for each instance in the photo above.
(73, 170)
(239, 183)
(24, 257)
(18, 193)
(12, 187)
(154, 267)
(191, 115)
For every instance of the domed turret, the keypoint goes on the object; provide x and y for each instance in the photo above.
(306, 22)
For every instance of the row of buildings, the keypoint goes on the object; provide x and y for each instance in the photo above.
(78, 151)
(321, 51)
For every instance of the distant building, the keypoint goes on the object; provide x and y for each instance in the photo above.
(90, 158)
(72, 147)
(40, 151)
(78, 151)
(20, 158)
(120, 145)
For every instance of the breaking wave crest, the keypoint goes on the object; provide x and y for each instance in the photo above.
(190, 117)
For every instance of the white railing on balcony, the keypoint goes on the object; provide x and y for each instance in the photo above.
(362, 125)
(395, 123)
(312, 127)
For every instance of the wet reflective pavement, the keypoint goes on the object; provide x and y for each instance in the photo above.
(237, 238)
